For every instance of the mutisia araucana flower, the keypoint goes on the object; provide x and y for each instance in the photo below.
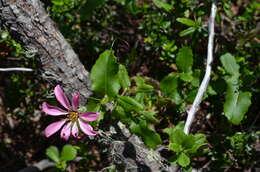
(73, 121)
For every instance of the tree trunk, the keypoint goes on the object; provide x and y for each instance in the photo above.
(30, 24)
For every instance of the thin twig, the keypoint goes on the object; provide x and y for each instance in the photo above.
(205, 81)
(16, 69)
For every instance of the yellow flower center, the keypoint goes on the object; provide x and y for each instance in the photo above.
(73, 116)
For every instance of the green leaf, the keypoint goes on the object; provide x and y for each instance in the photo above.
(183, 160)
(120, 113)
(68, 153)
(236, 102)
(229, 63)
(142, 86)
(149, 116)
(191, 96)
(104, 74)
(200, 140)
(170, 131)
(93, 105)
(184, 60)
(53, 153)
(175, 147)
(169, 83)
(186, 21)
(187, 77)
(149, 135)
(188, 31)
(196, 75)
(179, 137)
(132, 7)
(129, 104)
(123, 77)
(163, 5)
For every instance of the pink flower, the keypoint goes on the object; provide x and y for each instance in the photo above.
(73, 121)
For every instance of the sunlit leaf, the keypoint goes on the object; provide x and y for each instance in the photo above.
(68, 153)
(183, 160)
(104, 74)
(186, 21)
(53, 153)
(162, 4)
(123, 77)
(236, 102)
(229, 63)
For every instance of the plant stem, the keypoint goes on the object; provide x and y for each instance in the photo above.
(16, 69)
(206, 79)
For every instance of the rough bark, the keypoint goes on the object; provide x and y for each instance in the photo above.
(31, 25)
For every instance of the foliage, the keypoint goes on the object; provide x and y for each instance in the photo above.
(184, 145)
(68, 153)
(122, 42)
(237, 102)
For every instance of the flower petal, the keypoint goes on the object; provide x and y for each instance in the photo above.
(75, 130)
(52, 110)
(60, 96)
(53, 127)
(89, 116)
(75, 101)
(87, 129)
(65, 132)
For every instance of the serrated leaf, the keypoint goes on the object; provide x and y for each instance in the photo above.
(229, 63)
(163, 5)
(188, 31)
(68, 153)
(186, 21)
(169, 83)
(184, 60)
(104, 74)
(183, 160)
(236, 102)
(149, 135)
(123, 77)
(53, 153)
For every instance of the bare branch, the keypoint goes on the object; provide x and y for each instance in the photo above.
(16, 69)
(206, 79)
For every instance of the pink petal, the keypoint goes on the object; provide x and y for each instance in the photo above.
(60, 96)
(65, 132)
(89, 116)
(53, 127)
(52, 110)
(75, 130)
(75, 101)
(87, 129)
